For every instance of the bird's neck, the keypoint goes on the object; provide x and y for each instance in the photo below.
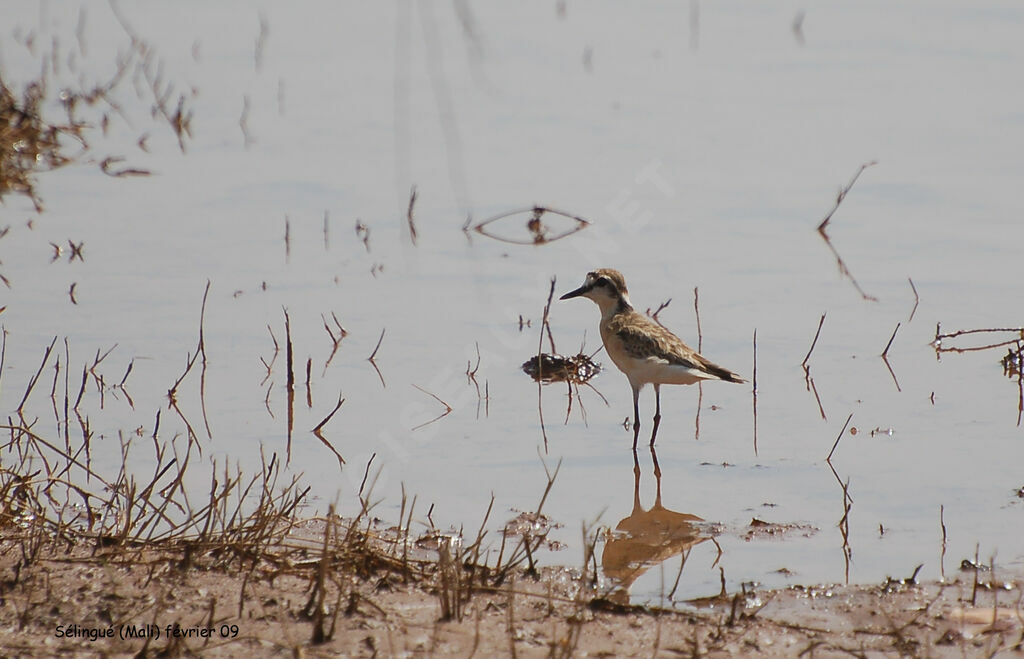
(613, 307)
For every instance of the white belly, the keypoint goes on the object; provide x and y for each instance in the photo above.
(652, 369)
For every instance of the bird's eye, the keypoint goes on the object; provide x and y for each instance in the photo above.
(601, 282)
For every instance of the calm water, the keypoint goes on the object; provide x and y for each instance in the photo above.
(704, 148)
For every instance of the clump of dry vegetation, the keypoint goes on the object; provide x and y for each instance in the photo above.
(28, 143)
(92, 552)
(32, 141)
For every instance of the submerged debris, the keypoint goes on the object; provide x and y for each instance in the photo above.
(758, 529)
(1013, 361)
(533, 527)
(900, 585)
(556, 368)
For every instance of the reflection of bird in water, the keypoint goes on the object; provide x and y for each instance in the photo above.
(641, 348)
(647, 537)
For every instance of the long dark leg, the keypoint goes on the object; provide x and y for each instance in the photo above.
(657, 412)
(636, 415)
(657, 477)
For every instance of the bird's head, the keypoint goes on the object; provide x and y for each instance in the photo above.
(606, 287)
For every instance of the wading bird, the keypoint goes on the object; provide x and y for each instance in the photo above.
(641, 348)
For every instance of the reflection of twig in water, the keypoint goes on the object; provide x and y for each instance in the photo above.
(540, 343)
(808, 380)
(700, 385)
(335, 339)
(202, 370)
(200, 350)
(243, 123)
(824, 235)
(917, 299)
(447, 410)
(813, 388)
(273, 358)
(568, 407)
(266, 400)
(1020, 396)
(885, 357)
(373, 362)
(471, 372)
(319, 427)
(409, 216)
(942, 557)
(290, 380)
(798, 27)
(120, 385)
(844, 521)
(287, 238)
(309, 385)
(753, 391)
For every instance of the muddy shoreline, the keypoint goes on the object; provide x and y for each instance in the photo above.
(147, 601)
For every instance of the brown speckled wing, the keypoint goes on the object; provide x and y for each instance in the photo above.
(642, 337)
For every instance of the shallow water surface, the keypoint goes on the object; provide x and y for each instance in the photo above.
(703, 153)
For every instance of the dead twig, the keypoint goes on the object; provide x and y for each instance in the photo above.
(813, 343)
(287, 238)
(843, 192)
(845, 271)
(273, 358)
(942, 556)
(373, 355)
(885, 357)
(661, 307)
(409, 217)
(335, 339)
(941, 336)
(753, 390)
(540, 344)
(887, 345)
(447, 408)
(320, 436)
(808, 380)
(35, 378)
(917, 299)
(290, 378)
(840, 436)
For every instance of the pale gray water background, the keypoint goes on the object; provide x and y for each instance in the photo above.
(704, 156)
